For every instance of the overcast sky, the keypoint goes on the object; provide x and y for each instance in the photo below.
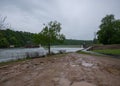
(79, 18)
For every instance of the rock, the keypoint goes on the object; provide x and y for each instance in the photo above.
(56, 79)
(64, 82)
(83, 83)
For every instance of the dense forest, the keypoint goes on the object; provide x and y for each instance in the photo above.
(77, 42)
(17, 38)
(22, 39)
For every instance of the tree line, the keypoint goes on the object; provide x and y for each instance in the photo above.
(17, 38)
(21, 39)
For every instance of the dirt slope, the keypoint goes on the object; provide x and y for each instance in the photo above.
(103, 47)
(66, 70)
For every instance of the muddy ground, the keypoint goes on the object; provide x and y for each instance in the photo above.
(63, 70)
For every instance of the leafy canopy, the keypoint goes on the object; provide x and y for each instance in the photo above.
(51, 33)
(109, 32)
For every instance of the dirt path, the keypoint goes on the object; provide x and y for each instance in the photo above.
(66, 70)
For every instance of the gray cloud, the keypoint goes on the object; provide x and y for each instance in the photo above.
(79, 18)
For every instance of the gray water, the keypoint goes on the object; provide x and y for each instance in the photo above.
(18, 53)
(56, 50)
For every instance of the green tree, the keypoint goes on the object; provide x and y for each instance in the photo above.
(13, 41)
(17, 38)
(3, 42)
(51, 34)
(37, 38)
(109, 32)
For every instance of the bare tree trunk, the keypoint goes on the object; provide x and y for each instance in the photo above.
(49, 38)
(49, 49)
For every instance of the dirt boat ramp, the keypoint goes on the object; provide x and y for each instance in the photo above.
(71, 69)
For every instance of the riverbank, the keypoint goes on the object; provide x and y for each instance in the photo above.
(109, 50)
(70, 69)
(6, 63)
(21, 53)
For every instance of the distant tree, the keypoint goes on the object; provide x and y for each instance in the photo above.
(51, 34)
(13, 41)
(95, 41)
(18, 38)
(4, 43)
(37, 39)
(109, 32)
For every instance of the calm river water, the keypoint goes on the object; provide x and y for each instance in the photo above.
(17, 53)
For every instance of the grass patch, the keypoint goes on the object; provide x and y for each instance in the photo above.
(89, 53)
(109, 51)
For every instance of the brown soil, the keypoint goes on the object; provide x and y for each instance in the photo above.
(101, 47)
(63, 70)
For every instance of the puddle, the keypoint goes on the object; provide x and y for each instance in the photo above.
(86, 64)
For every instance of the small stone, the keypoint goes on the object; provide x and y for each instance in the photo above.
(64, 82)
(83, 83)
(56, 79)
